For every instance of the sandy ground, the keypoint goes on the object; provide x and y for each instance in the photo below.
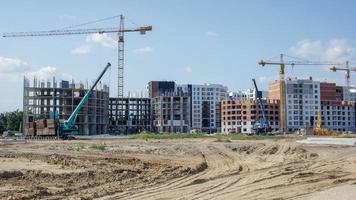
(176, 169)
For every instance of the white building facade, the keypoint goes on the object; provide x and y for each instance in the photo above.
(338, 116)
(205, 105)
(249, 94)
(302, 103)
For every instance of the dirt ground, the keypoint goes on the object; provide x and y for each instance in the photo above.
(176, 169)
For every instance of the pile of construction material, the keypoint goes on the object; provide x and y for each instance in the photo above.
(45, 127)
(41, 127)
(30, 129)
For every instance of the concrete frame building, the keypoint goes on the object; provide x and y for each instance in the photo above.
(43, 100)
(130, 115)
(171, 113)
(238, 116)
(205, 105)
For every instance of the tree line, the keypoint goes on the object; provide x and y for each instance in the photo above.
(10, 121)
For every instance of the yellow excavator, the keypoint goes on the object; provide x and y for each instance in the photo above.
(319, 130)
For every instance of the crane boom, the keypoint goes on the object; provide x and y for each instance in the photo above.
(262, 126)
(347, 70)
(70, 31)
(69, 125)
(142, 30)
(292, 63)
(259, 100)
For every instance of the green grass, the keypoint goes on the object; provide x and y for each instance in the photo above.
(99, 147)
(219, 137)
(145, 136)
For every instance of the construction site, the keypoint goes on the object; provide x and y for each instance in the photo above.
(44, 100)
(180, 139)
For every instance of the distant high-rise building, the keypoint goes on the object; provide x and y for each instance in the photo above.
(157, 88)
(247, 94)
(205, 105)
(305, 97)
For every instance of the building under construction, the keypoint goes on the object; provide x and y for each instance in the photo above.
(58, 99)
(130, 115)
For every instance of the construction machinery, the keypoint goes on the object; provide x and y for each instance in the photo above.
(347, 70)
(282, 92)
(319, 130)
(262, 126)
(69, 127)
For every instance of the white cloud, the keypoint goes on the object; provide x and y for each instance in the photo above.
(12, 65)
(42, 73)
(188, 70)
(13, 68)
(144, 50)
(81, 50)
(47, 73)
(102, 39)
(332, 50)
(211, 34)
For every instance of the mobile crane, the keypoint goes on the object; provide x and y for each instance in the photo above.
(262, 126)
(68, 129)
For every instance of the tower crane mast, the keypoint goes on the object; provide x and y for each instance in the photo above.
(282, 92)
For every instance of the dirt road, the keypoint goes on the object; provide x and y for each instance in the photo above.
(174, 169)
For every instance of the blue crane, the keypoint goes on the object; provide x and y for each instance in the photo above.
(68, 128)
(262, 126)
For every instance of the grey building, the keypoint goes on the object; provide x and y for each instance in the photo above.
(130, 115)
(44, 100)
(171, 113)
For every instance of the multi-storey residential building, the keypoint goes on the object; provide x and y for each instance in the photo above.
(239, 116)
(248, 94)
(302, 102)
(171, 113)
(205, 105)
(338, 115)
(349, 94)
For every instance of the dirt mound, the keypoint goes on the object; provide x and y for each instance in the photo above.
(245, 148)
(112, 174)
(172, 169)
(10, 174)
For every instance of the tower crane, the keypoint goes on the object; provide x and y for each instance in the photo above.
(120, 31)
(282, 92)
(347, 70)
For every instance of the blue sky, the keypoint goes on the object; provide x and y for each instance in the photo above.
(191, 42)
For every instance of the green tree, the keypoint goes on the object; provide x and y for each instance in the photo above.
(3, 122)
(14, 120)
(10, 121)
